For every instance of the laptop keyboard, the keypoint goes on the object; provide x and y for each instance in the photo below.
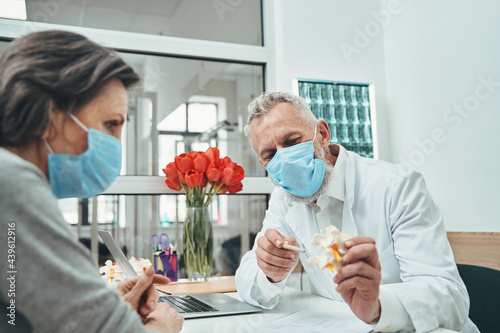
(186, 304)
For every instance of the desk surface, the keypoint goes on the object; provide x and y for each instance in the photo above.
(291, 301)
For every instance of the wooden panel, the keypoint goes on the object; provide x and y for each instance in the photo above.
(476, 248)
(471, 248)
(223, 285)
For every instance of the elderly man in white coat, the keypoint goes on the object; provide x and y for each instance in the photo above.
(398, 273)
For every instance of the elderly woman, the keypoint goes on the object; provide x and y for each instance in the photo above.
(63, 103)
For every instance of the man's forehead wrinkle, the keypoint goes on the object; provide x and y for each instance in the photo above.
(283, 125)
(272, 129)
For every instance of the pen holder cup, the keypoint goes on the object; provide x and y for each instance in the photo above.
(166, 265)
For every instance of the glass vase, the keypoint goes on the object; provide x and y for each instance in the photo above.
(198, 243)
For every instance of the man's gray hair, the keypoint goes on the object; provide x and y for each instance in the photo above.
(268, 100)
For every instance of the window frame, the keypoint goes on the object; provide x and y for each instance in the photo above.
(265, 55)
(138, 43)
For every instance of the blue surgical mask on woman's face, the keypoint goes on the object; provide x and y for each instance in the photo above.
(296, 170)
(90, 173)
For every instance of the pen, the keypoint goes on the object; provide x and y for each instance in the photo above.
(293, 248)
(166, 293)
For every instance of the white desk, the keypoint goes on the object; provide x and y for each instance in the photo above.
(292, 300)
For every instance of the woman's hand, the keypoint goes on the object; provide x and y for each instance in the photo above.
(164, 319)
(141, 292)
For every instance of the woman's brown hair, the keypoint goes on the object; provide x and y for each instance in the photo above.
(46, 67)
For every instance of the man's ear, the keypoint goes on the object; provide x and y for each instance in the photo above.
(324, 134)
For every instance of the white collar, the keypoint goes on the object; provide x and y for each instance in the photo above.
(336, 183)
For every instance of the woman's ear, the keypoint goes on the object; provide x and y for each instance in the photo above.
(48, 131)
(56, 118)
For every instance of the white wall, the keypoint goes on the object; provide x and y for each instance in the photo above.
(423, 58)
(307, 46)
(436, 53)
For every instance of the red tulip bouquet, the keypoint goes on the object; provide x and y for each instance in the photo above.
(201, 175)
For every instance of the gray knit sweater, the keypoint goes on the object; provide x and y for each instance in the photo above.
(52, 282)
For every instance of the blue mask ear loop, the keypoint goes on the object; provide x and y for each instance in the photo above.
(315, 131)
(79, 123)
(51, 151)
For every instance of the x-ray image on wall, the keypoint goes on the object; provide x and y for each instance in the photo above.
(346, 109)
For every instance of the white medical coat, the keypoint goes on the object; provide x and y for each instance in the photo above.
(391, 204)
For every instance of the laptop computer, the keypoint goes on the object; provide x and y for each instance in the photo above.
(198, 306)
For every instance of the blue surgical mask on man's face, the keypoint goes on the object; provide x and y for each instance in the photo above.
(296, 170)
(90, 173)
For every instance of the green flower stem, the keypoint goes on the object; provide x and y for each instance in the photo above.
(198, 242)
(198, 234)
(213, 191)
(198, 196)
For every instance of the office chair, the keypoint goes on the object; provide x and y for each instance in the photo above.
(483, 285)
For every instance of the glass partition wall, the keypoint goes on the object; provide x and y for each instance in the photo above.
(130, 218)
(180, 105)
(193, 94)
(199, 19)
(183, 105)
(188, 104)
